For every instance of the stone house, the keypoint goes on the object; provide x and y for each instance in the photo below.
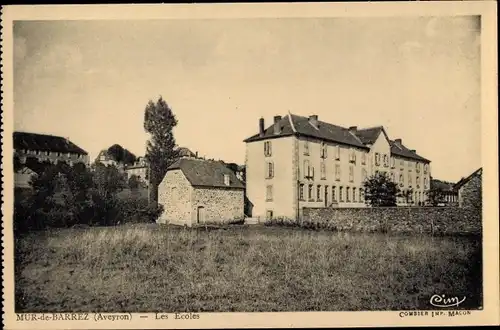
(299, 162)
(470, 191)
(196, 191)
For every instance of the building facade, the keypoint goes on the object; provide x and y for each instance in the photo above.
(139, 169)
(196, 191)
(303, 162)
(49, 148)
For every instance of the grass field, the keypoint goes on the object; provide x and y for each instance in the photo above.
(247, 269)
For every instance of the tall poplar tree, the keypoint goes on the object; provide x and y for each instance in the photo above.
(159, 122)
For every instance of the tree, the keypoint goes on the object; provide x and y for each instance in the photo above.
(121, 155)
(159, 122)
(380, 190)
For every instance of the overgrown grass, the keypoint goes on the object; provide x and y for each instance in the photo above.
(150, 268)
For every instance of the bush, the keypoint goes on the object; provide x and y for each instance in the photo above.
(138, 210)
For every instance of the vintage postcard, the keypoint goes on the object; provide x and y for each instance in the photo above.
(250, 165)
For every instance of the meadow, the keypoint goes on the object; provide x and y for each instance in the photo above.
(150, 268)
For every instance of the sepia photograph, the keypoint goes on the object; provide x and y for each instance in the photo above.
(248, 165)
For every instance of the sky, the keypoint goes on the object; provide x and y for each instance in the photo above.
(90, 81)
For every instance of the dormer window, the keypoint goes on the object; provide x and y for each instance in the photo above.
(226, 179)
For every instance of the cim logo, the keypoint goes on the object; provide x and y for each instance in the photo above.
(443, 302)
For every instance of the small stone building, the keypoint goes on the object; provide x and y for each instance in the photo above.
(470, 191)
(196, 191)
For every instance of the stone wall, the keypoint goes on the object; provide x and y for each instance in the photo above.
(174, 193)
(428, 220)
(470, 194)
(219, 204)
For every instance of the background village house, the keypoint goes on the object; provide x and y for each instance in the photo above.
(43, 148)
(196, 191)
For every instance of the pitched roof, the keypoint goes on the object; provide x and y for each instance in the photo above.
(44, 142)
(206, 173)
(362, 138)
(299, 125)
(185, 152)
(463, 181)
(442, 185)
(369, 135)
(399, 149)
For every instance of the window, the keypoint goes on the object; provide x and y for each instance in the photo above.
(334, 195)
(47, 153)
(306, 169)
(386, 161)
(269, 214)
(402, 163)
(417, 182)
(341, 197)
(270, 170)
(351, 173)
(267, 148)
(323, 170)
(301, 192)
(226, 179)
(409, 180)
(361, 194)
(324, 152)
(310, 192)
(354, 194)
(269, 193)
(347, 197)
(401, 180)
(425, 182)
(376, 172)
(58, 154)
(337, 152)
(306, 147)
(364, 174)
(363, 158)
(318, 193)
(393, 162)
(426, 168)
(392, 176)
(377, 159)
(352, 157)
(417, 166)
(337, 172)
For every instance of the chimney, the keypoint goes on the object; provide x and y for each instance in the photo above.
(398, 141)
(313, 119)
(261, 126)
(277, 128)
(353, 129)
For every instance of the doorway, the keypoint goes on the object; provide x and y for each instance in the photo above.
(200, 214)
